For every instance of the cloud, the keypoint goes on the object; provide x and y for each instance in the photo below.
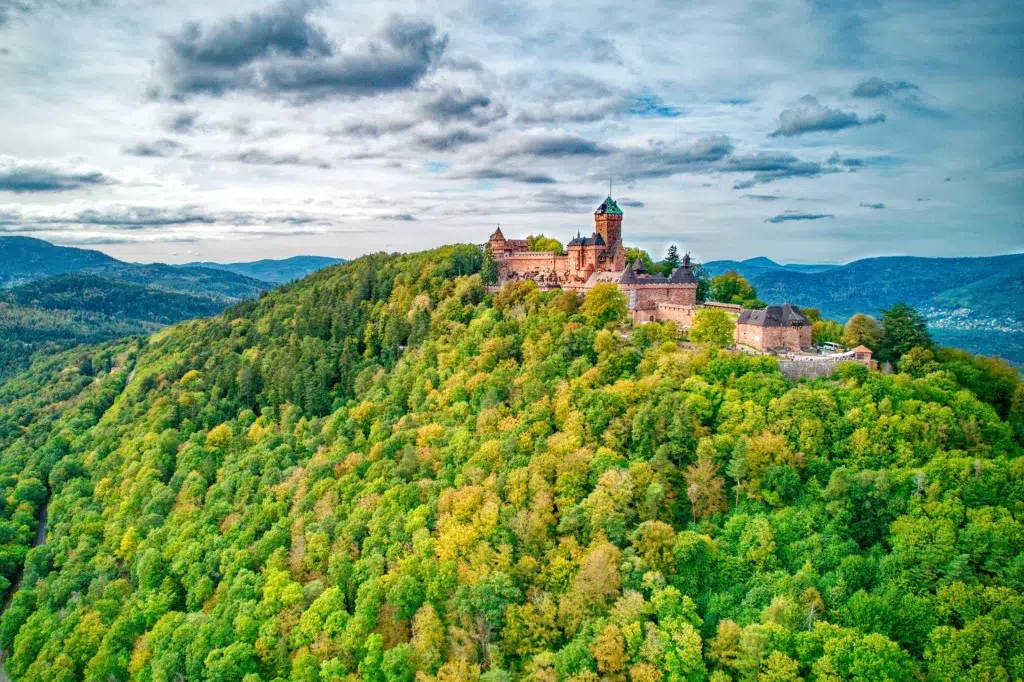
(260, 157)
(560, 145)
(878, 205)
(161, 148)
(814, 117)
(280, 53)
(404, 217)
(455, 105)
(21, 178)
(662, 161)
(515, 176)
(876, 87)
(793, 215)
(771, 166)
(631, 203)
(183, 122)
(762, 197)
(448, 141)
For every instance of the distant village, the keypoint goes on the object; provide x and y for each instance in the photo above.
(601, 258)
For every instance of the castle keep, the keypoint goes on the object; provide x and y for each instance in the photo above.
(601, 258)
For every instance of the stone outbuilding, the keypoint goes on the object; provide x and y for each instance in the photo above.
(775, 327)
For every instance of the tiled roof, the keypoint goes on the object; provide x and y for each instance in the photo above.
(608, 207)
(594, 240)
(774, 316)
(683, 275)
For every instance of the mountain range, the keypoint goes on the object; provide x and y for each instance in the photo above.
(973, 303)
(54, 297)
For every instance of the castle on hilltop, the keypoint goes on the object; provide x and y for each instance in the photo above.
(597, 259)
(601, 258)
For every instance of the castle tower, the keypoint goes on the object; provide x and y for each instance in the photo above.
(608, 219)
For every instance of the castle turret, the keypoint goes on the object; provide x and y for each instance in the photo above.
(608, 219)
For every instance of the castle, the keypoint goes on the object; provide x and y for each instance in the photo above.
(601, 258)
(597, 259)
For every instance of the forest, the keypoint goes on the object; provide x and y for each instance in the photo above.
(384, 473)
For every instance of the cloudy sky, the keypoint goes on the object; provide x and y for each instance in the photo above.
(804, 131)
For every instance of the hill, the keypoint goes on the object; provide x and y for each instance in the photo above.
(24, 260)
(65, 310)
(982, 298)
(382, 473)
(279, 271)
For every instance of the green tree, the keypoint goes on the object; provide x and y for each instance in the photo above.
(605, 304)
(903, 328)
(672, 260)
(826, 330)
(489, 268)
(862, 330)
(541, 243)
(731, 287)
(712, 326)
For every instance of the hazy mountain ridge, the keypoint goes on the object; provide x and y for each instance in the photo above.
(278, 271)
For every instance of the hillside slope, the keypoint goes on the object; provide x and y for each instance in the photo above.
(24, 259)
(65, 310)
(280, 271)
(380, 472)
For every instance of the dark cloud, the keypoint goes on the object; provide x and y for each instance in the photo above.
(404, 217)
(455, 105)
(281, 53)
(515, 176)
(662, 161)
(878, 205)
(792, 215)
(183, 122)
(140, 217)
(631, 203)
(26, 178)
(559, 145)
(161, 148)
(443, 142)
(815, 117)
(876, 87)
(771, 166)
(372, 130)
(762, 197)
(259, 157)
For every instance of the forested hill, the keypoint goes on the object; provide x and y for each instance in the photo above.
(280, 271)
(24, 260)
(382, 473)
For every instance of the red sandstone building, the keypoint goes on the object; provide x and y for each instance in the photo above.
(774, 328)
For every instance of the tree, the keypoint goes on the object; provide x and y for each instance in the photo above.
(903, 328)
(632, 253)
(541, 243)
(489, 268)
(672, 260)
(826, 330)
(703, 281)
(605, 304)
(731, 287)
(862, 330)
(712, 326)
(705, 488)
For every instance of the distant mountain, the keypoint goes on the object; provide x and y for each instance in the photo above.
(69, 309)
(973, 303)
(752, 267)
(276, 271)
(24, 260)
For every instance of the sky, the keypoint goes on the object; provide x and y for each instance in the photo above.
(800, 130)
